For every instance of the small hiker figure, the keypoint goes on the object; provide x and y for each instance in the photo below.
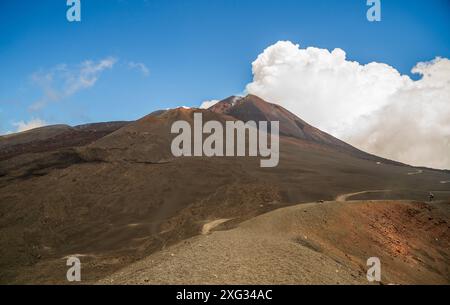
(431, 195)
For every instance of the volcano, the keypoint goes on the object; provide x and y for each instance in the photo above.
(113, 194)
(253, 108)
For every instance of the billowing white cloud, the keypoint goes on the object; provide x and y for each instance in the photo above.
(414, 126)
(207, 104)
(24, 126)
(64, 81)
(371, 106)
(139, 66)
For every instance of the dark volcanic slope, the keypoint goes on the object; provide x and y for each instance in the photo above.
(54, 137)
(312, 243)
(124, 196)
(254, 108)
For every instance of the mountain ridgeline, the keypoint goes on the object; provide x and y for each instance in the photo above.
(113, 192)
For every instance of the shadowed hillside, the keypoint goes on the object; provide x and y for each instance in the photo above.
(122, 196)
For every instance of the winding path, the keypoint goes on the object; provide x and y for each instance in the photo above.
(212, 224)
(344, 197)
(417, 172)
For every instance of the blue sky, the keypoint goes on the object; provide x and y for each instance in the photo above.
(194, 50)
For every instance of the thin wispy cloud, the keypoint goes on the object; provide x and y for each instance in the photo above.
(63, 81)
(140, 67)
(207, 104)
(33, 123)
